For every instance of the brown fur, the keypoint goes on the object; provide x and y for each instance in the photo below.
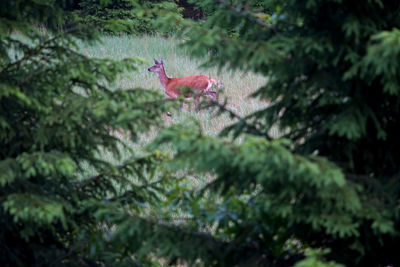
(173, 86)
(196, 82)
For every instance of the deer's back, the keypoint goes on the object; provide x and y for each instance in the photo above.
(194, 81)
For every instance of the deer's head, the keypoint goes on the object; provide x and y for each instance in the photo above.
(158, 66)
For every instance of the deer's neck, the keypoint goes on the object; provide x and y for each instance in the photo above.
(163, 78)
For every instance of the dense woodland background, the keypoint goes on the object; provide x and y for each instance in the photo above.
(131, 17)
(310, 178)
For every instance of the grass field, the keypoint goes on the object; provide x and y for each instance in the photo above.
(237, 85)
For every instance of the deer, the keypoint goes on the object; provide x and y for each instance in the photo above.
(200, 84)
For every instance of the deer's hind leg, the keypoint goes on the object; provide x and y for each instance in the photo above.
(197, 99)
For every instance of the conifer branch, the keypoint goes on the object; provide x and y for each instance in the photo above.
(70, 252)
(93, 179)
(248, 15)
(35, 50)
(252, 129)
(235, 249)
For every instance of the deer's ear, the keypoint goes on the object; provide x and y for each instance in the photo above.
(162, 62)
(155, 61)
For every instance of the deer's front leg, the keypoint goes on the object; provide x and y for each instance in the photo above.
(171, 97)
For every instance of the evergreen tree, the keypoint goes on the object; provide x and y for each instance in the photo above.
(59, 111)
(325, 192)
(330, 181)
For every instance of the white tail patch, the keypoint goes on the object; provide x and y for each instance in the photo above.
(210, 84)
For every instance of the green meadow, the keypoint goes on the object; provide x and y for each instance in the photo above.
(236, 90)
(237, 86)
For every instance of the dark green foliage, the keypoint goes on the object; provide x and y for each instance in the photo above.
(190, 10)
(331, 180)
(324, 193)
(59, 112)
(124, 16)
